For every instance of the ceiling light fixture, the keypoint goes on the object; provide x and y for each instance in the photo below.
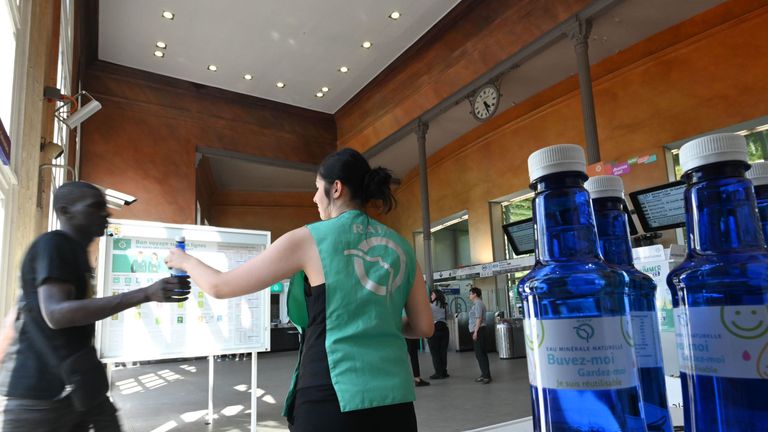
(319, 94)
(325, 89)
(367, 45)
(161, 45)
(213, 68)
(248, 77)
(343, 69)
(394, 15)
(280, 84)
(159, 53)
(168, 15)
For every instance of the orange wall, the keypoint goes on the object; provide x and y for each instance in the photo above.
(276, 212)
(485, 33)
(144, 140)
(702, 75)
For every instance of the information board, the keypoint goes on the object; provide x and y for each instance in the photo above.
(131, 256)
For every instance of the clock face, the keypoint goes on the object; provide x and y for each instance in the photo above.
(485, 103)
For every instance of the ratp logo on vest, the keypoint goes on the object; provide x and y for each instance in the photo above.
(369, 275)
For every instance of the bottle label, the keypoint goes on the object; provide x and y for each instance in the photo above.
(726, 341)
(681, 329)
(581, 353)
(645, 333)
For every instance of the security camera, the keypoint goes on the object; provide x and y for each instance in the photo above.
(117, 200)
(73, 119)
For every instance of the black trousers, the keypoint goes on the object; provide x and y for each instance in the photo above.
(481, 344)
(318, 410)
(438, 347)
(25, 415)
(413, 353)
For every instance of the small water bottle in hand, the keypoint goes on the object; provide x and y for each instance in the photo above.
(180, 244)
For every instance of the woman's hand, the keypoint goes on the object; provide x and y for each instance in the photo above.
(177, 259)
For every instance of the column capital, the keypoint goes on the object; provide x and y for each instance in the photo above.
(579, 31)
(421, 129)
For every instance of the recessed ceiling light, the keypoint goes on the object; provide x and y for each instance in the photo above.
(248, 77)
(168, 15)
(280, 84)
(159, 53)
(161, 45)
(367, 44)
(212, 68)
(324, 89)
(394, 15)
(319, 94)
(343, 69)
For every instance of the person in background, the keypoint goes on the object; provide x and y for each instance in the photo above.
(438, 343)
(51, 334)
(352, 278)
(479, 335)
(413, 354)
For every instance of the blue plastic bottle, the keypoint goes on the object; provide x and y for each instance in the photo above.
(607, 194)
(581, 365)
(758, 174)
(721, 292)
(181, 243)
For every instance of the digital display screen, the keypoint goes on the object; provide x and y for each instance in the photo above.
(520, 236)
(661, 207)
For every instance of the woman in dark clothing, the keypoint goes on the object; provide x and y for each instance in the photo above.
(438, 343)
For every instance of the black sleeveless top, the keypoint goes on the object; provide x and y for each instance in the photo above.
(313, 371)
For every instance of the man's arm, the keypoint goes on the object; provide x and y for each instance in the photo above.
(61, 310)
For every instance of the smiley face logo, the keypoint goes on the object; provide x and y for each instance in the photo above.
(762, 363)
(380, 277)
(745, 322)
(534, 337)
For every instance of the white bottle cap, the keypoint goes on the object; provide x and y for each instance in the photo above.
(605, 186)
(712, 149)
(758, 173)
(556, 158)
(181, 239)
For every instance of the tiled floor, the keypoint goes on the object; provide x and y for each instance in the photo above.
(173, 396)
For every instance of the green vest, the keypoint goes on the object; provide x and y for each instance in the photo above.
(369, 271)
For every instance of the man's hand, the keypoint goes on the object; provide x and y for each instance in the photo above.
(474, 335)
(169, 290)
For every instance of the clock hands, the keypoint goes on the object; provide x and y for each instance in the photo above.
(487, 107)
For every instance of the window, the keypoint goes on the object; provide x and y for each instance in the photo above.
(9, 26)
(757, 147)
(59, 172)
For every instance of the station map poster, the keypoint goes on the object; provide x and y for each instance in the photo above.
(132, 256)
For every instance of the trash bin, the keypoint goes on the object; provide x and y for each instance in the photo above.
(504, 339)
(518, 341)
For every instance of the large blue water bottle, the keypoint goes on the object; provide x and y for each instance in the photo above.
(181, 243)
(607, 194)
(721, 292)
(578, 334)
(758, 174)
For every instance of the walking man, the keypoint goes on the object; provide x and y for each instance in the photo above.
(50, 375)
(479, 334)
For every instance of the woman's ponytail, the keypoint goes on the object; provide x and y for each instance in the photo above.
(377, 186)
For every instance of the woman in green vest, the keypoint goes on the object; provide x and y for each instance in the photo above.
(352, 279)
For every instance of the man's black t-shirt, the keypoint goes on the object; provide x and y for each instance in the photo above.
(26, 372)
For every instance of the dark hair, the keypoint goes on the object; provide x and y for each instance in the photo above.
(439, 297)
(364, 184)
(476, 291)
(72, 192)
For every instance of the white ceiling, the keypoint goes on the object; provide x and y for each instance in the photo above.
(299, 42)
(204, 31)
